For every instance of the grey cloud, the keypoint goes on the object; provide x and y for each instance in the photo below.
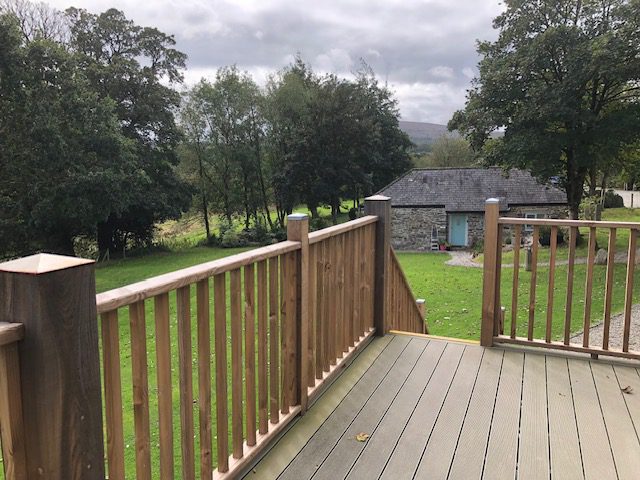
(425, 49)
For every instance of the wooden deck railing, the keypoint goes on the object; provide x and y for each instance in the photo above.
(494, 314)
(405, 312)
(201, 367)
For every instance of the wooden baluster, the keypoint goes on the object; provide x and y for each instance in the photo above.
(340, 318)
(263, 396)
(628, 294)
(11, 417)
(165, 389)
(532, 291)
(222, 422)
(320, 318)
(274, 341)
(609, 287)
(357, 278)
(112, 395)
(334, 299)
(329, 298)
(204, 376)
(573, 235)
(140, 390)
(552, 276)
(183, 303)
(287, 311)
(517, 233)
(235, 298)
(250, 352)
(313, 315)
(350, 251)
(588, 289)
(299, 291)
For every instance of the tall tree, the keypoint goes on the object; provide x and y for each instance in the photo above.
(136, 68)
(563, 81)
(64, 162)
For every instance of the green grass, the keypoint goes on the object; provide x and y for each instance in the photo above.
(454, 295)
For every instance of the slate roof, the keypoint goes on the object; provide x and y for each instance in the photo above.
(466, 189)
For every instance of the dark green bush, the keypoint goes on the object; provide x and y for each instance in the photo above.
(613, 200)
(545, 236)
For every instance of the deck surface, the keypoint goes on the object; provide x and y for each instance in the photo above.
(436, 409)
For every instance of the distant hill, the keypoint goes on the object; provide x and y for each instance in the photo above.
(424, 134)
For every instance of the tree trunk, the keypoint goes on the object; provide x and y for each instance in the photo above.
(105, 237)
(574, 185)
(313, 208)
(205, 210)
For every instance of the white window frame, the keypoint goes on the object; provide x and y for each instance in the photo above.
(534, 215)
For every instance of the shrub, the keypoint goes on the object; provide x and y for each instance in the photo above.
(353, 214)
(318, 224)
(613, 200)
(545, 236)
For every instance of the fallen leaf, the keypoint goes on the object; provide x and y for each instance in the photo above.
(362, 437)
(628, 390)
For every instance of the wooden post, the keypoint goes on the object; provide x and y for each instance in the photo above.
(421, 307)
(55, 298)
(491, 214)
(380, 206)
(298, 231)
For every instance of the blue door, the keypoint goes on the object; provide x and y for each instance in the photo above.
(458, 230)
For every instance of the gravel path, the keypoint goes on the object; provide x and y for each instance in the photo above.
(615, 331)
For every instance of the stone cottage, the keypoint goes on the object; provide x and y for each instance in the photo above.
(448, 203)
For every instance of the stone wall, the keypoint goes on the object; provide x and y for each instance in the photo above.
(411, 227)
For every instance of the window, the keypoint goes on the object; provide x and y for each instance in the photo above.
(529, 228)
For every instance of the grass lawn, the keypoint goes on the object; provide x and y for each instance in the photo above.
(454, 295)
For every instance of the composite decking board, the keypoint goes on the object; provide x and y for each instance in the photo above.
(318, 447)
(533, 452)
(347, 449)
(622, 435)
(438, 453)
(628, 377)
(285, 450)
(566, 460)
(407, 452)
(494, 429)
(469, 455)
(594, 441)
(378, 448)
(502, 449)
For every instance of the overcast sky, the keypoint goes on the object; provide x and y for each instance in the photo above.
(424, 49)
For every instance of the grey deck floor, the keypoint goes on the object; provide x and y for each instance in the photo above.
(437, 409)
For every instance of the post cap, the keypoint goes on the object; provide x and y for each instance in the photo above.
(42, 263)
(377, 198)
(492, 201)
(297, 216)
(420, 300)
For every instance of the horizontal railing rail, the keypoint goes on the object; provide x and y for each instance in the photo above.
(504, 325)
(149, 288)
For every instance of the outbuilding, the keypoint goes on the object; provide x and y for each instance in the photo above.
(433, 206)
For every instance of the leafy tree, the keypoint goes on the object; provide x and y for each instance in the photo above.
(448, 151)
(562, 80)
(135, 68)
(64, 162)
